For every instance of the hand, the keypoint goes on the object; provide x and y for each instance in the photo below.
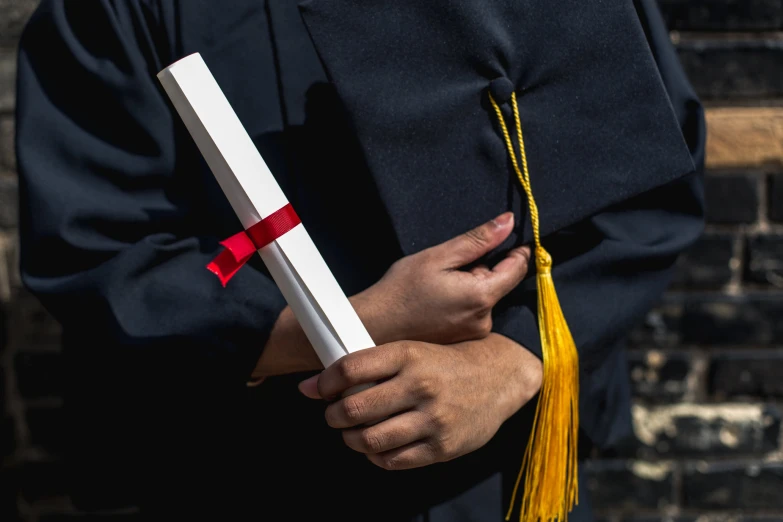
(425, 297)
(434, 403)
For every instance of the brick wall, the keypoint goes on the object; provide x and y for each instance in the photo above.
(707, 365)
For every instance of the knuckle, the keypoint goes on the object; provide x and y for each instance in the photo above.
(525, 254)
(353, 409)
(478, 236)
(408, 351)
(331, 417)
(390, 463)
(437, 422)
(427, 388)
(437, 448)
(440, 441)
(372, 441)
(482, 298)
(442, 448)
(348, 368)
(525, 264)
(484, 326)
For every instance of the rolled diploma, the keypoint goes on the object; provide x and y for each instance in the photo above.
(319, 304)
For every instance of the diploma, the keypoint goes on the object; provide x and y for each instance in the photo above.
(271, 225)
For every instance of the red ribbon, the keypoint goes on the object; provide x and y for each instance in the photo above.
(241, 247)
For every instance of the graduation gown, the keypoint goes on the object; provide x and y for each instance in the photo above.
(371, 117)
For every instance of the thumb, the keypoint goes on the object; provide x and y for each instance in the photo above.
(470, 246)
(309, 387)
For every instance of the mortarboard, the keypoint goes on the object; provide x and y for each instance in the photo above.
(556, 105)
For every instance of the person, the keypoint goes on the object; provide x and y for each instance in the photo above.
(378, 120)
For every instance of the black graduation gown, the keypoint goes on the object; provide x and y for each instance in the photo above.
(120, 215)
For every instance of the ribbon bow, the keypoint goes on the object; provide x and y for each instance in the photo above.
(240, 247)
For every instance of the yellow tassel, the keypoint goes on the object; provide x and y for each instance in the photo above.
(550, 463)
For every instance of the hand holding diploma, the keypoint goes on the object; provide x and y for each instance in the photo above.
(434, 403)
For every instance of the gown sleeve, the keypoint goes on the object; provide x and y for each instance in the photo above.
(110, 225)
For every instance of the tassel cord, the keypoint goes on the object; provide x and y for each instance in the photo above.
(550, 464)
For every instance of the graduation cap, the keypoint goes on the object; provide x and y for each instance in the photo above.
(560, 100)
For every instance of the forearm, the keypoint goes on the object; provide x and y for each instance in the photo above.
(518, 370)
(289, 351)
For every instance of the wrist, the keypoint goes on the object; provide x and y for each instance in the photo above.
(287, 350)
(518, 372)
(375, 314)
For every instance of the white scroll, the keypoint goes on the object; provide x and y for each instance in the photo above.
(327, 317)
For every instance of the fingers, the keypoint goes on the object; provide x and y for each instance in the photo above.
(415, 455)
(371, 405)
(470, 246)
(508, 273)
(481, 271)
(363, 367)
(393, 433)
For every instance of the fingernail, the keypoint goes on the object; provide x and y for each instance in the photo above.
(503, 220)
(309, 388)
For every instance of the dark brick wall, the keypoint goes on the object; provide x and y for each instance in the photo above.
(706, 365)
